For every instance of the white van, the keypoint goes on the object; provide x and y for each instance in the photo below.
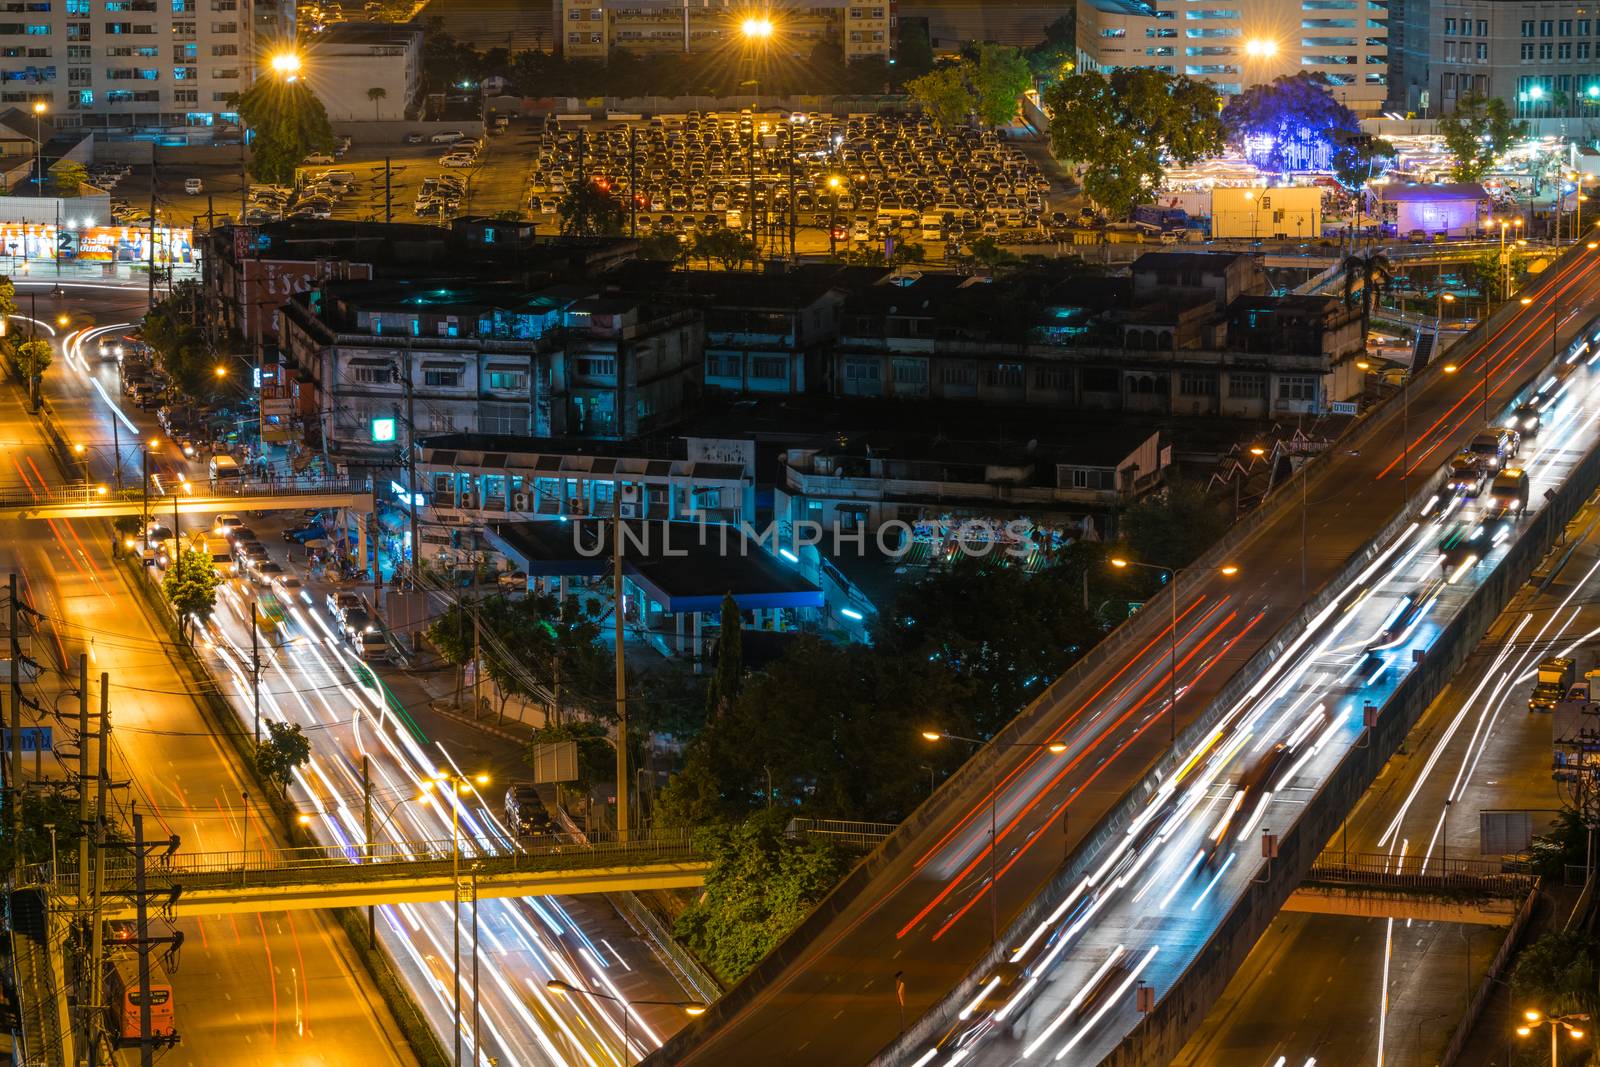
(225, 469)
(193, 186)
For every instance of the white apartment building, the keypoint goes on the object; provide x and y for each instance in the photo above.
(349, 59)
(133, 65)
(1236, 43)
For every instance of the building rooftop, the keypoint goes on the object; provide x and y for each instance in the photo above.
(683, 566)
(1435, 193)
(1151, 261)
(365, 33)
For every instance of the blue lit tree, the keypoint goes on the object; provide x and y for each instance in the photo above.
(1292, 124)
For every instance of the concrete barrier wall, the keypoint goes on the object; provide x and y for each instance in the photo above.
(368, 133)
(970, 784)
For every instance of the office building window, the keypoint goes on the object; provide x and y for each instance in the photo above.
(1297, 387)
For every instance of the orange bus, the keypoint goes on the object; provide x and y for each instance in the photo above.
(122, 1002)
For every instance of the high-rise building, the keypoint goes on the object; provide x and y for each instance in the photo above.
(1542, 58)
(590, 29)
(1246, 42)
(134, 65)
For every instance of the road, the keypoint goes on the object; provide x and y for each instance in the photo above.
(310, 678)
(926, 913)
(252, 990)
(1477, 747)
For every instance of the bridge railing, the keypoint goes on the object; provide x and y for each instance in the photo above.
(851, 834)
(1420, 873)
(287, 866)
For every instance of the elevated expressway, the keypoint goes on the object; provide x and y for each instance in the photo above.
(1340, 551)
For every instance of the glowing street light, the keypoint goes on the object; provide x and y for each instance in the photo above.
(567, 989)
(286, 65)
(1556, 1023)
(1261, 48)
(756, 28)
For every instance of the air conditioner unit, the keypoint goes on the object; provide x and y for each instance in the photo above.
(630, 492)
(576, 506)
(630, 511)
(467, 501)
(519, 502)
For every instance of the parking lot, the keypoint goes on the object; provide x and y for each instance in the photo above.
(874, 176)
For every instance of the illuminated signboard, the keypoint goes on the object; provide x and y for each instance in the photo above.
(97, 244)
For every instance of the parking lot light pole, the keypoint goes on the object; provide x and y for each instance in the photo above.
(833, 214)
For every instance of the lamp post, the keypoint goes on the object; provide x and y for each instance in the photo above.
(1533, 1017)
(1438, 314)
(1054, 747)
(833, 214)
(457, 784)
(39, 107)
(690, 1007)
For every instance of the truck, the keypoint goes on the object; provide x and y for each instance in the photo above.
(1556, 676)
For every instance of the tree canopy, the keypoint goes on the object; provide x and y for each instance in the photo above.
(283, 749)
(287, 122)
(759, 887)
(1478, 132)
(191, 585)
(1121, 129)
(944, 94)
(170, 328)
(987, 83)
(590, 211)
(1291, 123)
(1172, 528)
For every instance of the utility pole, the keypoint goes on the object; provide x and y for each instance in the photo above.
(96, 924)
(366, 832)
(621, 673)
(411, 476)
(477, 659)
(142, 912)
(152, 293)
(255, 667)
(83, 779)
(16, 706)
(633, 182)
(388, 191)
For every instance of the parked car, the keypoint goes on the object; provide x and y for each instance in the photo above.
(302, 534)
(356, 622)
(372, 646)
(317, 159)
(456, 159)
(339, 603)
(447, 137)
(414, 138)
(526, 814)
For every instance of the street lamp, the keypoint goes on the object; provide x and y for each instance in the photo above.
(82, 453)
(833, 213)
(286, 65)
(1054, 747)
(1444, 298)
(1556, 1023)
(457, 784)
(1173, 574)
(39, 107)
(567, 989)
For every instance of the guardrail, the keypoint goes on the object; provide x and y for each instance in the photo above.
(409, 859)
(846, 833)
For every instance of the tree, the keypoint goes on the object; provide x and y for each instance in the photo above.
(123, 529)
(33, 358)
(376, 94)
(1172, 528)
(944, 94)
(68, 178)
(914, 55)
(1053, 58)
(999, 78)
(727, 247)
(288, 123)
(663, 248)
(1292, 123)
(986, 251)
(191, 586)
(759, 887)
(1371, 273)
(729, 674)
(590, 211)
(1557, 973)
(1477, 133)
(171, 328)
(1121, 129)
(285, 748)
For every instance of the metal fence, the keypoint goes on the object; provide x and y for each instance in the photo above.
(846, 833)
(1420, 874)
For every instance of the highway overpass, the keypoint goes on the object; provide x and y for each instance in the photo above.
(913, 921)
(319, 877)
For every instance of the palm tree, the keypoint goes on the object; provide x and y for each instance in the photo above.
(1372, 272)
(375, 94)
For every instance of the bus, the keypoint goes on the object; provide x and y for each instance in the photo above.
(122, 1003)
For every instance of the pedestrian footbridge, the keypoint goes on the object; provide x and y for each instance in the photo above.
(1479, 892)
(190, 498)
(220, 883)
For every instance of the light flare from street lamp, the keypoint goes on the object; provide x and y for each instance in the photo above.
(931, 735)
(1261, 48)
(286, 64)
(756, 28)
